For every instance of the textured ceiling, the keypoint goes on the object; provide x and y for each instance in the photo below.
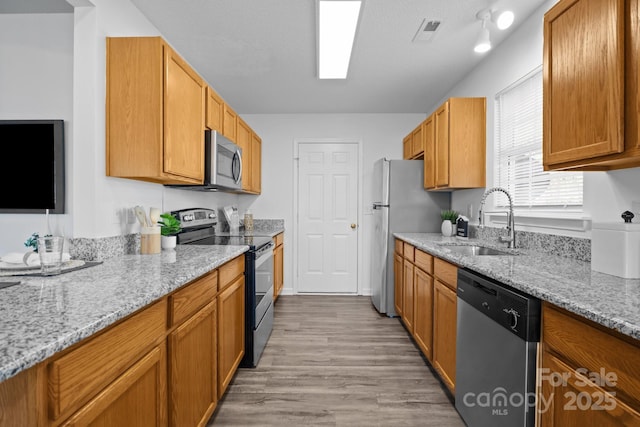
(260, 55)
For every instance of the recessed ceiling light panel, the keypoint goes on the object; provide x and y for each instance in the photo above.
(337, 23)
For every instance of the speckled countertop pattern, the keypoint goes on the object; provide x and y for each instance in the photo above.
(611, 301)
(42, 316)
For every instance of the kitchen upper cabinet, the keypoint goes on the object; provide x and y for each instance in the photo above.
(215, 111)
(429, 133)
(591, 51)
(229, 123)
(243, 139)
(256, 164)
(459, 145)
(413, 144)
(590, 374)
(155, 113)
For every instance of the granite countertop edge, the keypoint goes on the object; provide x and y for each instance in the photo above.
(28, 333)
(608, 300)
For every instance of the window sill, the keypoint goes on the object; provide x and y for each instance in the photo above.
(550, 220)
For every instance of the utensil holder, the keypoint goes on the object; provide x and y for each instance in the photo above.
(150, 240)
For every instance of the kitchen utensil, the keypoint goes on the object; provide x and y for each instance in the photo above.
(154, 216)
(142, 217)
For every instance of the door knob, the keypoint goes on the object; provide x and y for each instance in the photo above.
(353, 226)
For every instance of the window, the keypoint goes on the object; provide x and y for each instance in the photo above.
(518, 150)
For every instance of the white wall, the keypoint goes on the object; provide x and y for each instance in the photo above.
(606, 194)
(381, 136)
(36, 82)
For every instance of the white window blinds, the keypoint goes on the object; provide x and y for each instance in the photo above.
(518, 150)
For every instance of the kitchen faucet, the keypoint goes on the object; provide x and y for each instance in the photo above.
(511, 222)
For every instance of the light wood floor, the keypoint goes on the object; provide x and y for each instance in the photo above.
(334, 361)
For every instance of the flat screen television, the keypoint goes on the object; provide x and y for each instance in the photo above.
(32, 166)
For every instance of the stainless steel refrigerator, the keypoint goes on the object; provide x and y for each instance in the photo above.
(401, 204)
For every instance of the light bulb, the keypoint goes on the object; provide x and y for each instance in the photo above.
(484, 42)
(504, 20)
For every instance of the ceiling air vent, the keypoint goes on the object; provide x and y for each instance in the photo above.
(427, 30)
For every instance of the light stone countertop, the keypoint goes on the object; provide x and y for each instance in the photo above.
(611, 301)
(42, 316)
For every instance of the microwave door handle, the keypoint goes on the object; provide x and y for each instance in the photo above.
(238, 156)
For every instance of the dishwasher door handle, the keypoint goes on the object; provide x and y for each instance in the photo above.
(485, 289)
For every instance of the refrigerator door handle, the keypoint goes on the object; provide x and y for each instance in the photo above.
(379, 205)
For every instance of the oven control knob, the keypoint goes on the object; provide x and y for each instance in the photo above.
(212, 215)
(513, 317)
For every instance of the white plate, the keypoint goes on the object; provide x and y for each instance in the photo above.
(24, 267)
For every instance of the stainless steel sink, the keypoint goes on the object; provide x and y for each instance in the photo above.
(476, 250)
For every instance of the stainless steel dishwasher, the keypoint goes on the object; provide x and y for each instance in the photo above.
(496, 346)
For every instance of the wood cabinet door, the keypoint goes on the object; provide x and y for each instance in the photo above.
(444, 333)
(407, 147)
(417, 142)
(243, 139)
(136, 398)
(278, 270)
(184, 109)
(230, 332)
(423, 312)
(215, 110)
(229, 124)
(256, 164)
(398, 273)
(583, 80)
(193, 387)
(571, 399)
(441, 124)
(429, 152)
(407, 294)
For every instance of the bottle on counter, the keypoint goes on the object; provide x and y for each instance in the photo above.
(248, 222)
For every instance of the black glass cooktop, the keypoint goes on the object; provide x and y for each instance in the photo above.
(252, 241)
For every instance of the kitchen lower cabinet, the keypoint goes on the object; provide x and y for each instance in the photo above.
(155, 110)
(444, 333)
(398, 273)
(589, 375)
(278, 265)
(230, 331)
(192, 369)
(136, 398)
(407, 294)
(423, 312)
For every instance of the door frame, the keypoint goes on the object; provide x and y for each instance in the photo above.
(296, 218)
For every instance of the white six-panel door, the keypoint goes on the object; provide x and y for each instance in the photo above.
(327, 215)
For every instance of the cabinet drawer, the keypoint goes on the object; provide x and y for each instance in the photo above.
(229, 271)
(447, 273)
(399, 246)
(79, 374)
(186, 301)
(279, 239)
(408, 251)
(589, 347)
(424, 261)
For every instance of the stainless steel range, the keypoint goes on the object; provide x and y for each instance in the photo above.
(198, 229)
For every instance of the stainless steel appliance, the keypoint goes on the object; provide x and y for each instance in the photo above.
(498, 330)
(401, 204)
(198, 229)
(223, 164)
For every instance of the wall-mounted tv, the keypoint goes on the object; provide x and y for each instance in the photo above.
(32, 166)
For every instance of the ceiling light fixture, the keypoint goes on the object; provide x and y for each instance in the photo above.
(337, 22)
(502, 20)
(483, 44)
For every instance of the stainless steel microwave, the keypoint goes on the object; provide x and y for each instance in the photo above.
(223, 165)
